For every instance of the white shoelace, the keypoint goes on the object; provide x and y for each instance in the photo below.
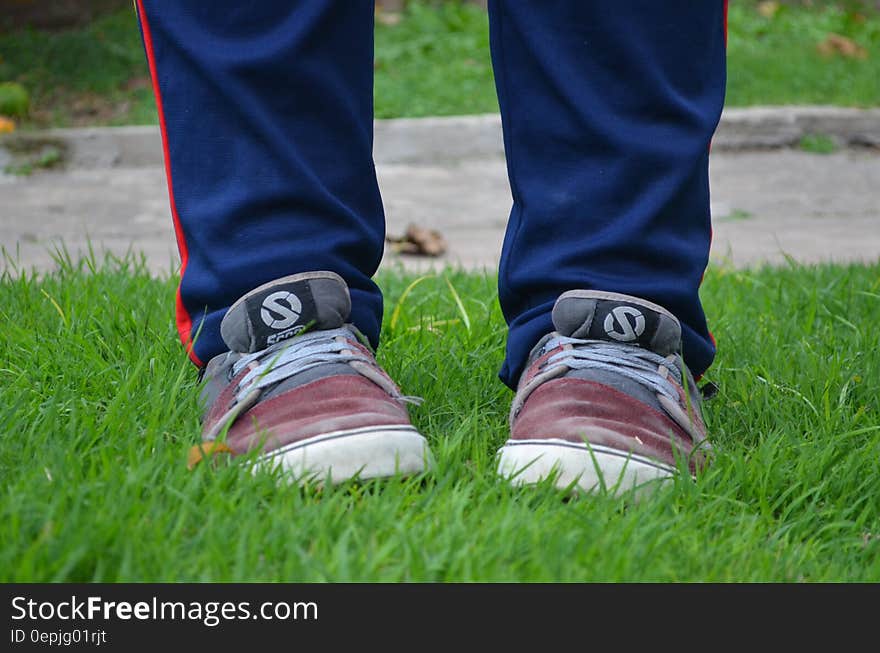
(303, 352)
(635, 363)
(281, 361)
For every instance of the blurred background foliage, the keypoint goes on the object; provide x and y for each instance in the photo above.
(81, 62)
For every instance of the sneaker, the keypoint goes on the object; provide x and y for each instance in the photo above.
(606, 400)
(300, 386)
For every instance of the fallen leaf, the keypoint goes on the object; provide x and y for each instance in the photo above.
(837, 44)
(7, 125)
(768, 9)
(418, 241)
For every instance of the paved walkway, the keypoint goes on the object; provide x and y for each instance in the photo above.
(766, 205)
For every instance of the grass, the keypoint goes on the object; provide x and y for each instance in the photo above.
(98, 407)
(46, 156)
(778, 59)
(434, 60)
(736, 215)
(818, 144)
(91, 75)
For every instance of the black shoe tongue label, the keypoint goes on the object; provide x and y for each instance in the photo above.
(624, 322)
(280, 312)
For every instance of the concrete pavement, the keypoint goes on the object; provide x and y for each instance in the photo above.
(767, 204)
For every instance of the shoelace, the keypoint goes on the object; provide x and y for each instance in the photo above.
(281, 361)
(635, 363)
(304, 352)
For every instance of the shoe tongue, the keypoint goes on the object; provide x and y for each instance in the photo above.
(596, 315)
(280, 309)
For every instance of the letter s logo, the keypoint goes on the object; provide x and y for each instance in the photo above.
(627, 332)
(281, 309)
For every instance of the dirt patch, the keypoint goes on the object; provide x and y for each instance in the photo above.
(80, 109)
(24, 154)
(54, 14)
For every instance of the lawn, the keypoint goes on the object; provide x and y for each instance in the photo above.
(434, 60)
(98, 408)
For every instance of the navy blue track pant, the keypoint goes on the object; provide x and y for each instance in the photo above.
(608, 110)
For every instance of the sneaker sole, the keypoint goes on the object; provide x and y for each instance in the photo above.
(579, 466)
(371, 452)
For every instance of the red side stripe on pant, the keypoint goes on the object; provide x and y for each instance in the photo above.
(726, 2)
(184, 320)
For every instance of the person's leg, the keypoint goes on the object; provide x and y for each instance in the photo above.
(266, 112)
(608, 110)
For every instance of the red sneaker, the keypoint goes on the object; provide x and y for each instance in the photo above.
(606, 400)
(299, 386)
